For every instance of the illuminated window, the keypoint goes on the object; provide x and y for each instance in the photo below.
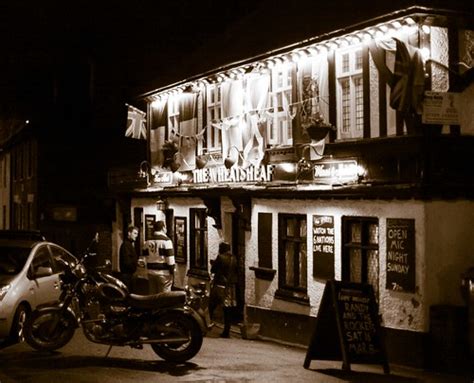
(292, 256)
(280, 127)
(214, 115)
(350, 93)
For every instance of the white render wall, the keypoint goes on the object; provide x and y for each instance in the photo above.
(437, 277)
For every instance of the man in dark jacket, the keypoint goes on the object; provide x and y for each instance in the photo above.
(223, 292)
(128, 256)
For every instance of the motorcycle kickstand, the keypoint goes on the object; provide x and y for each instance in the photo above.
(108, 351)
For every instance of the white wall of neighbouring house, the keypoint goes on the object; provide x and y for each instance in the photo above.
(440, 228)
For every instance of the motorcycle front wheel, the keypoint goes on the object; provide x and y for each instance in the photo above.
(49, 329)
(188, 329)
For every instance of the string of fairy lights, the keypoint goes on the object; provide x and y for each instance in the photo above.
(379, 33)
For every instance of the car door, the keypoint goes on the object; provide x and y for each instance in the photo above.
(44, 286)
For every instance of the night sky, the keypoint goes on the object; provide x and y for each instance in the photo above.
(137, 46)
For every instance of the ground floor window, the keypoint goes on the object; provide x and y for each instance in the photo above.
(198, 241)
(360, 251)
(292, 257)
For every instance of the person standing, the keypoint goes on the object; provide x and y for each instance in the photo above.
(160, 260)
(225, 270)
(128, 256)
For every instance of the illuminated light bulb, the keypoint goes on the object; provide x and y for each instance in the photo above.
(295, 56)
(303, 54)
(409, 21)
(343, 43)
(323, 50)
(355, 40)
(383, 28)
(367, 37)
(312, 51)
(379, 35)
(155, 104)
(270, 64)
(397, 24)
(426, 29)
(371, 31)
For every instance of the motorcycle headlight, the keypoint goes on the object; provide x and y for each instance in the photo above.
(3, 291)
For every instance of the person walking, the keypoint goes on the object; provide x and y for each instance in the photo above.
(223, 291)
(128, 256)
(160, 260)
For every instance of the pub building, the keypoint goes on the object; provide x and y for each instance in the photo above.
(347, 156)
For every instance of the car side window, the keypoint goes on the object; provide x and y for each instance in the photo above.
(41, 261)
(61, 254)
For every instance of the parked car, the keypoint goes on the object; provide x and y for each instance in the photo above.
(29, 276)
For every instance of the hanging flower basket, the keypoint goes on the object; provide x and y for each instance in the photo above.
(317, 130)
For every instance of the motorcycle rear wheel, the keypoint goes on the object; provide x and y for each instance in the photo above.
(49, 329)
(188, 327)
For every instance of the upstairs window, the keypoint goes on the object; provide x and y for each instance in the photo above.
(280, 127)
(350, 93)
(214, 115)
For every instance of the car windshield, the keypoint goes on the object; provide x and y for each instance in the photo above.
(12, 259)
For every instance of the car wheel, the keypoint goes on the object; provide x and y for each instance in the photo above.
(18, 325)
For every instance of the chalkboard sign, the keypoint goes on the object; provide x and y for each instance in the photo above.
(149, 222)
(347, 327)
(401, 255)
(323, 247)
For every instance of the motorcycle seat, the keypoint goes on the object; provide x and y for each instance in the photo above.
(160, 300)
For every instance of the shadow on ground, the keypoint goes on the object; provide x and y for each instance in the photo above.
(367, 377)
(55, 360)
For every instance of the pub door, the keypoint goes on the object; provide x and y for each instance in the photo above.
(238, 248)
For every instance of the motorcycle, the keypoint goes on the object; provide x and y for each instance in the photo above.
(109, 314)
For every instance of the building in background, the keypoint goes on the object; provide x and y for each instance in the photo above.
(345, 156)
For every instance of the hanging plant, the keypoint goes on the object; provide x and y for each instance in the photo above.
(316, 128)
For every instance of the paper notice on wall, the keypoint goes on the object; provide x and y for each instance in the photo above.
(441, 108)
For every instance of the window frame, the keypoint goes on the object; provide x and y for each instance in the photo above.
(352, 75)
(365, 246)
(298, 292)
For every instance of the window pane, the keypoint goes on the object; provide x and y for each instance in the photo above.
(355, 233)
(373, 270)
(355, 265)
(303, 265)
(345, 63)
(346, 105)
(290, 227)
(373, 234)
(358, 60)
(289, 263)
(359, 103)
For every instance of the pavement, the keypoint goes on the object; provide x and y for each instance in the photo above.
(220, 360)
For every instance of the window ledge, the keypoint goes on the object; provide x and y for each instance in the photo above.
(263, 272)
(292, 296)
